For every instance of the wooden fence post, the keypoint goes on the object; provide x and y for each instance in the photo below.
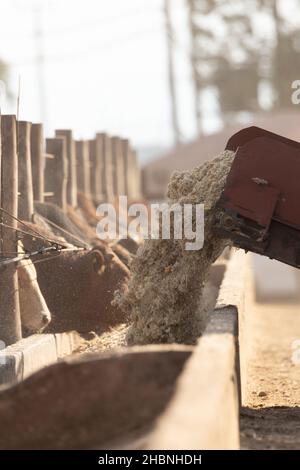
(72, 176)
(129, 170)
(105, 150)
(10, 320)
(83, 166)
(56, 173)
(37, 162)
(95, 171)
(25, 202)
(118, 166)
(137, 175)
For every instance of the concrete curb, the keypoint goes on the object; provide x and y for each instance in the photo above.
(204, 411)
(27, 356)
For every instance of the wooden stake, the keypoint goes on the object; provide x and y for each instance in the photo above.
(96, 170)
(83, 166)
(105, 149)
(56, 174)
(118, 166)
(129, 177)
(37, 162)
(10, 320)
(137, 175)
(25, 202)
(72, 176)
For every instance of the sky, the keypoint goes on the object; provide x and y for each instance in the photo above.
(103, 66)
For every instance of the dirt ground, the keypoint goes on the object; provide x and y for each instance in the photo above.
(271, 417)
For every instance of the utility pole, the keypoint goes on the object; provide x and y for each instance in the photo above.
(194, 7)
(40, 59)
(277, 82)
(171, 77)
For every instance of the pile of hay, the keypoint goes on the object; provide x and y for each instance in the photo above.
(163, 300)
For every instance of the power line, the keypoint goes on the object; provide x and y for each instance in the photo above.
(87, 25)
(103, 21)
(89, 51)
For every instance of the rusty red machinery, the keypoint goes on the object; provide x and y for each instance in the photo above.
(259, 208)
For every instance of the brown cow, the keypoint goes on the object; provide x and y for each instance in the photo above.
(88, 232)
(87, 208)
(35, 315)
(55, 215)
(79, 286)
(124, 255)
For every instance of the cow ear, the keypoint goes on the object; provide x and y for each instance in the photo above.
(109, 257)
(98, 262)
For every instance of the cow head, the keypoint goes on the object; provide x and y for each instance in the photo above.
(79, 288)
(35, 315)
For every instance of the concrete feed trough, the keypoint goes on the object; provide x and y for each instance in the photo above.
(168, 396)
